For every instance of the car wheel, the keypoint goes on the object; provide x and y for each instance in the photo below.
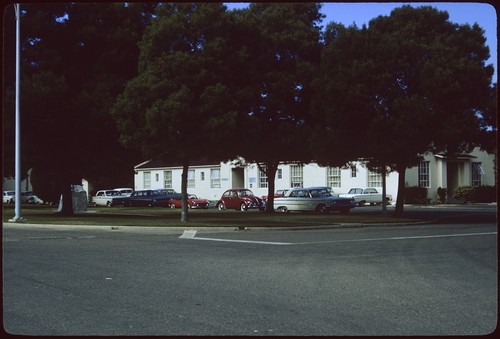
(283, 209)
(243, 207)
(172, 206)
(108, 204)
(361, 203)
(321, 208)
(221, 207)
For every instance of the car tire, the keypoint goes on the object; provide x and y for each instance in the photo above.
(108, 204)
(221, 207)
(361, 203)
(283, 209)
(243, 207)
(172, 206)
(321, 208)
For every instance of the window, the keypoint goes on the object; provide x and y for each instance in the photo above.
(147, 179)
(280, 173)
(190, 179)
(167, 179)
(202, 176)
(477, 171)
(263, 177)
(354, 171)
(423, 174)
(299, 194)
(333, 177)
(215, 178)
(374, 179)
(296, 176)
(157, 177)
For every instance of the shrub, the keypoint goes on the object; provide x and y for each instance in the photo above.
(476, 194)
(442, 194)
(416, 195)
(464, 193)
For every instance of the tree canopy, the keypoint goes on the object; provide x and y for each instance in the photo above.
(182, 101)
(412, 83)
(75, 60)
(284, 46)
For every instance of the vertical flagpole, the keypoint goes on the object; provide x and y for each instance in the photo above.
(18, 217)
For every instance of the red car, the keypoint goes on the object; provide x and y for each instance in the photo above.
(277, 194)
(240, 199)
(193, 202)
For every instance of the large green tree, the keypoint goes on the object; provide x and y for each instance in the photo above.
(423, 83)
(284, 44)
(183, 102)
(75, 60)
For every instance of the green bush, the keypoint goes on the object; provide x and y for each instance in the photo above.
(416, 195)
(475, 194)
(464, 194)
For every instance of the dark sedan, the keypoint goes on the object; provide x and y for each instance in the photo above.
(147, 198)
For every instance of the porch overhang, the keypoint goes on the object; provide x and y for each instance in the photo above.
(454, 156)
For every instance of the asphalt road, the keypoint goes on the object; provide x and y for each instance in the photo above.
(434, 279)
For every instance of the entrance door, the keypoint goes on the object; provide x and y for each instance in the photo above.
(452, 178)
(238, 177)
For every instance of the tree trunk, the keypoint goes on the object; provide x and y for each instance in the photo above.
(384, 189)
(401, 192)
(184, 209)
(271, 169)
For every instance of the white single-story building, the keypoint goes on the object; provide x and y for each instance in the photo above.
(210, 179)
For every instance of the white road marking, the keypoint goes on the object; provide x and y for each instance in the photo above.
(191, 234)
(401, 238)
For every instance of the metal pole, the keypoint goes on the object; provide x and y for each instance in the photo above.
(18, 217)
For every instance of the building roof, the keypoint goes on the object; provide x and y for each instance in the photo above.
(163, 161)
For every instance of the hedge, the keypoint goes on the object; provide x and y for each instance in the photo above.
(476, 194)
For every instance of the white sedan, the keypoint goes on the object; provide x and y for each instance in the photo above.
(318, 199)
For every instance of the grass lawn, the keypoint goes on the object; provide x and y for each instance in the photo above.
(164, 217)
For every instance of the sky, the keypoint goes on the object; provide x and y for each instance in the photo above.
(359, 13)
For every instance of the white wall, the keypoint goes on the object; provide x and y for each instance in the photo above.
(315, 175)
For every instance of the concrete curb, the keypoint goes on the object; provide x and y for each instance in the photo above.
(180, 230)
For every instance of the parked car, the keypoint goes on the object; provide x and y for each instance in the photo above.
(366, 195)
(317, 199)
(27, 197)
(8, 197)
(193, 202)
(107, 198)
(277, 194)
(241, 199)
(30, 197)
(171, 193)
(149, 198)
(124, 191)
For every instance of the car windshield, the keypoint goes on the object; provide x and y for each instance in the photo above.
(245, 193)
(319, 193)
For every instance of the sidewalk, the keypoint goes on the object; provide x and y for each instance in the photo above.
(208, 229)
